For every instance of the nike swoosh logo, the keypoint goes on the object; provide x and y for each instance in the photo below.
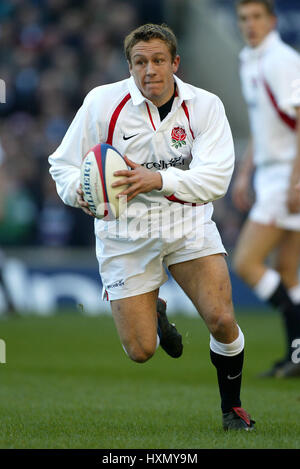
(234, 377)
(127, 138)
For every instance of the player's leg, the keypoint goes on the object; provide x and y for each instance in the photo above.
(206, 282)
(170, 339)
(142, 324)
(136, 322)
(132, 272)
(287, 264)
(256, 242)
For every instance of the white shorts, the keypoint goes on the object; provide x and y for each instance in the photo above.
(133, 267)
(271, 185)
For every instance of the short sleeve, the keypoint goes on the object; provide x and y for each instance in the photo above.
(283, 76)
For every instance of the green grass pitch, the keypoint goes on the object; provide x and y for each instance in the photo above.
(68, 384)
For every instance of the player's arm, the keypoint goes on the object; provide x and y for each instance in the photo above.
(293, 195)
(241, 185)
(65, 162)
(140, 180)
(283, 78)
(212, 162)
(210, 170)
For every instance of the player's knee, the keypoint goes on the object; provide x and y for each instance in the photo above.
(288, 274)
(139, 354)
(222, 321)
(243, 265)
(239, 264)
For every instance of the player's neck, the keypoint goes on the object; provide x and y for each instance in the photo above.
(263, 40)
(166, 107)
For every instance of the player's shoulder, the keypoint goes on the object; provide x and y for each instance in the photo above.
(198, 96)
(281, 56)
(203, 105)
(106, 94)
(206, 101)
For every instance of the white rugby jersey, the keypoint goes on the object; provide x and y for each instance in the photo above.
(270, 77)
(192, 147)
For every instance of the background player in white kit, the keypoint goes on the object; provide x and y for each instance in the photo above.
(270, 74)
(154, 117)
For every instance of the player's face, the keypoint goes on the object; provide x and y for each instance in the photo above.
(255, 23)
(152, 68)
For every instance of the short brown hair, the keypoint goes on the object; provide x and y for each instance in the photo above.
(268, 4)
(149, 31)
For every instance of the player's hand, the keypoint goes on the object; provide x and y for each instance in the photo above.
(139, 179)
(293, 201)
(83, 204)
(241, 193)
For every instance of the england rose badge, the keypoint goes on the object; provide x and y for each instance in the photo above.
(178, 137)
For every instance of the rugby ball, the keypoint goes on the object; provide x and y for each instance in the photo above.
(96, 178)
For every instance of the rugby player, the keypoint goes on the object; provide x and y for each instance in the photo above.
(179, 152)
(270, 77)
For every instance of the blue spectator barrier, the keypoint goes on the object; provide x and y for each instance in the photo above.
(44, 290)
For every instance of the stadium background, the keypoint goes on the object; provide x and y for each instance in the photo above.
(52, 52)
(64, 379)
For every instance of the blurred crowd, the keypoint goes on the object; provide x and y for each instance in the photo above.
(52, 53)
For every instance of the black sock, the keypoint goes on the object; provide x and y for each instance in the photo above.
(290, 314)
(229, 372)
(280, 298)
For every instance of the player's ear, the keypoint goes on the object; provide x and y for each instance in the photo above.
(274, 21)
(176, 63)
(130, 67)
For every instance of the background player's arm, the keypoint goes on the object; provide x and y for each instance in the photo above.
(241, 186)
(293, 195)
(282, 76)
